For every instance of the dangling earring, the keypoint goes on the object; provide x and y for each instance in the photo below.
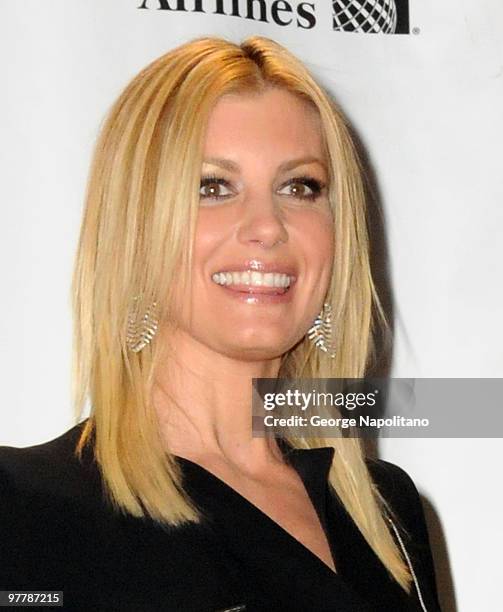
(140, 331)
(321, 331)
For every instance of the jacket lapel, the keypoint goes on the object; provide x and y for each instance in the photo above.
(267, 558)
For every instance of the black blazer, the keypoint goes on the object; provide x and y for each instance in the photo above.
(57, 533)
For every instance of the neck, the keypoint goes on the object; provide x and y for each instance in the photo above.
(203, 400)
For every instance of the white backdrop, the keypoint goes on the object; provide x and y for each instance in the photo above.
(427, 107)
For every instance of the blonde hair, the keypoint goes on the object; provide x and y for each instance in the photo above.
(137, 233)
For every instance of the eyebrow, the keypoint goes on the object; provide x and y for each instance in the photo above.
(227, 164)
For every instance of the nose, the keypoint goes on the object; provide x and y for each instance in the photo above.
(262, 221)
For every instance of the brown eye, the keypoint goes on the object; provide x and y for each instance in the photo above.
(300, 190)
(304, 188)
(211, 188)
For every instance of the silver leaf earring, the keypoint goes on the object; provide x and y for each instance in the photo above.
(321, 331)
(141, 329)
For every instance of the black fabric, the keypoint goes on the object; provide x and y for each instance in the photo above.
(58, 533)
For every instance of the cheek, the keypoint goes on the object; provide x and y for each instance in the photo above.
(212, 231)
(207, 236)
(318, 230)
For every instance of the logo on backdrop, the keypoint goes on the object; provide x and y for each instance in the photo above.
(371, 16)
(361, 16)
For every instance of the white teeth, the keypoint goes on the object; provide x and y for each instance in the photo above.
(252, 278)
(269, 279)
(256, 279)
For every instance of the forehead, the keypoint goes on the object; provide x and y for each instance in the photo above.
(274, 120)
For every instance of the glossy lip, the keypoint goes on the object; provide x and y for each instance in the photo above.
(260, 266)
(259, 295)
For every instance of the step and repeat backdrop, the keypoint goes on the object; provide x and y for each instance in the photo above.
(422, 84)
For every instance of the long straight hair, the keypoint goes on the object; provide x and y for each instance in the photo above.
(136, 239)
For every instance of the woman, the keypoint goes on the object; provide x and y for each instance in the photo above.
(225, 211)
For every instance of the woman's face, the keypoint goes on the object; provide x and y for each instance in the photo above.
(264, 238)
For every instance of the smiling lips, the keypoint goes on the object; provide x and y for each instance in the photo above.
(254, 281)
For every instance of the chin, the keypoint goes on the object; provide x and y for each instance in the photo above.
(255, 349)
(255, 353)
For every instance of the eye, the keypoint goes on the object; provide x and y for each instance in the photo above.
(305, 187)
(211, 188)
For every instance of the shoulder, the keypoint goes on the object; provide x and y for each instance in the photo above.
(400, 493)
(396, 486)
(402, 496)
(51, 509)
(50, 468)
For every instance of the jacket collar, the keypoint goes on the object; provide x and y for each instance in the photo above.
(308, 461)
